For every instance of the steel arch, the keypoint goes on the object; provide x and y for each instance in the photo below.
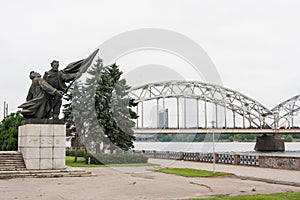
(286, 110)
(245, 106)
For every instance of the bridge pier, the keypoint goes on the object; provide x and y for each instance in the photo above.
(269, 143)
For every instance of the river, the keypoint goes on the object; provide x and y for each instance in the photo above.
(292, 148)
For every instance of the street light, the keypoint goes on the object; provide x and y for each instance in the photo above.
(214, 159)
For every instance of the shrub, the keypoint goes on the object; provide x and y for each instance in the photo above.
(116, 158)
(9, 132)
(288, 138)
(80, 153)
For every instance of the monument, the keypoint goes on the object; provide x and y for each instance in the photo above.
(42, 135)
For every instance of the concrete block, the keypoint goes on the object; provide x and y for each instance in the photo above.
(46, 163)
(59, 153)
(31, 153)
(20, 130)
(46, 153)
(19, 142)
(46, 141)
(59, 141)
(59, 130)
(43, 145)
(31, 129)
(46, 130)
(59, 164)
(20, 149)
(32, 163)
(30, 141)
(22, 141)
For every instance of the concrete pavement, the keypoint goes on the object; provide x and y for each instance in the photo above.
(289, 177)
(137, 183)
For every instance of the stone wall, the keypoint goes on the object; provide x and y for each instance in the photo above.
(280, 162)
(43, 145)
(255, 160)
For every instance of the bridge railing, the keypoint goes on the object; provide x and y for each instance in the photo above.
(222, 158)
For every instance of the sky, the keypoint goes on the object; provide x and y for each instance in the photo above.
(254, 45)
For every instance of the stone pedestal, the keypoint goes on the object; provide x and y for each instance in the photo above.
(43, 145)
(269, 143)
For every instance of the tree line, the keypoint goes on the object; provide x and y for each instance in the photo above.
(208, 138)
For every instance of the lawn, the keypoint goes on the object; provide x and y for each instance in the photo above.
(187, 172)
(279, 196)
(81, 163)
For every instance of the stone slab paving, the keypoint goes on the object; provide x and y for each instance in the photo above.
(134, 183)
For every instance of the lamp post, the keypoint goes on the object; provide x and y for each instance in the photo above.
(214, 159)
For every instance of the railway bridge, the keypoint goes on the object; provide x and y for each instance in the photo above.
(191, 107)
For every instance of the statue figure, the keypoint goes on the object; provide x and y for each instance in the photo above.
(58, 80)
(39, 94)
(45, 94)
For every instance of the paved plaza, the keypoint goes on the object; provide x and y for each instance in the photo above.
(142, 183)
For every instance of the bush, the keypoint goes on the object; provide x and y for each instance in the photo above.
(288, 138)
(9, 132)
(80, 153)
(115, 158)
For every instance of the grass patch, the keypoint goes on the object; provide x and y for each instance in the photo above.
(187, 172)
(81, 163)
(131, 165)
(278, 196)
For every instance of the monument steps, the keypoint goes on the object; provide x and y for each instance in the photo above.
(44, 174)
(11, 160)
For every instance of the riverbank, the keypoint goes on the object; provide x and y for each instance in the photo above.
(220, 147)
(245, 159)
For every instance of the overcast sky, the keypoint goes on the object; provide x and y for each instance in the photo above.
(253, 44)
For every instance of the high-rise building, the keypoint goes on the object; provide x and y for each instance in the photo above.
(163, 118)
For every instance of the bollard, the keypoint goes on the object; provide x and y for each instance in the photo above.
(181, 157)
(216, 157)
(197, 157)
(237, 159)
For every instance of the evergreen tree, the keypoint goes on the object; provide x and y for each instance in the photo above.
(78, 111)
(69, 114)
(95, 135)
(113, 108)
(123, 115)
(101, 109)
(67, 107)
(79, 108)
(103, 95)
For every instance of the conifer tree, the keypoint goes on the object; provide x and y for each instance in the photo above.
(95, 134)
(114, 108)
(72, 114)
(102, 110)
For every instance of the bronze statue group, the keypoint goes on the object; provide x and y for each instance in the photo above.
(44, 97)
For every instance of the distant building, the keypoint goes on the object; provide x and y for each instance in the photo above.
(163, 118)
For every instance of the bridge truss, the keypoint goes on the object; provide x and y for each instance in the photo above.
(257, 115)
(286, 111)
